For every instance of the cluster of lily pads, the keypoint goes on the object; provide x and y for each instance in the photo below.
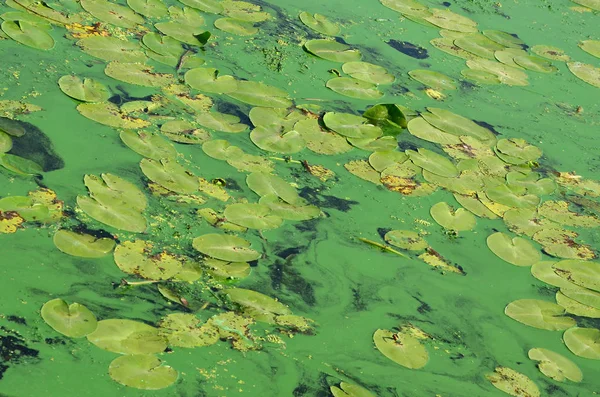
(489, 177)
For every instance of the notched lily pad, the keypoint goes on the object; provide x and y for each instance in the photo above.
(142, 371)
(555, 366)
(402, 348)
(74, 320)
(446, 217)
(517, 251)
(583, 342)
(513, 383)
(225, 247)
(539, 314)
(86, 90)
(127, 337)
(83, 245)
(320, 23)
(332, 50)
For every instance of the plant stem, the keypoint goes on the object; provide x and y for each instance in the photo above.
(382, 246)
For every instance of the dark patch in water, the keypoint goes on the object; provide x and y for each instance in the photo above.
(34, 145)
(288, 251)
(409, 49)
(284, 274)
(383, 231)
(403, 145)
(446, 4)
(487, 125)
(14, 350)
(232, 108)
(357, 300)
(313, 196)
(16, 319)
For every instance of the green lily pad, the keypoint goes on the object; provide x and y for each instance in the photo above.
(504, 195)
(225, 247)
(149, 145)
(27, 17)
(539, 314)
(363, 170)
(478, 44)
(332, 50)
(588, 73)
(583, 273)
(74, 320)
(593, 4)
(114, 191)
(82, 245)
(184, 330)
(252, 216)
(583, 342)
(592, 47)
(446, 19)
(257, 305)
(433, 162)
(513, 383)
(351, 126)
(264, 184)
(504, 39)
(549, 52)
(535, 64)
(458, 220)
(250, 163)
(112, 13)
(455, 124)
(517, 151)
(368, 72)
(272, 139)
(29, 34)
(555, 366)
(405, 350)
(319, 23)
(20, 165)
(149, 8)
(582, 295)
(526, 221)
(132, 257)
(544, 271)
(406, 239)
(109, 114)
(183, 131)
(170, 175)
(219, 149)
(354, 88)
(163, 49)
(29, 210)
(388, 116)
(5, 142)
(558, 211)
(383, 159)
(112, 49)
(561, 243)
(382, 143)
(142, 371)
(236, 26)
(408, 7)
(210, 6)
(138, 74)
(475, 206)
(433, 79)
(86, 90)
(223, 270)
(517, 251)
(275, 117)
(446, 44)
(319, 140)
(480, 76)
(420, 128)
(260, 94)
(572, 306)
(188, 34)
(531, 183)
(508, 75)
(117, 217)
(288, 211)
(244, 11)
(349, 390)
(127, 337)
(11, 127)
(221, 122)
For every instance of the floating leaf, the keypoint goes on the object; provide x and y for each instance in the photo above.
(82, 245)
(478, 44)
(572, 306)
(555, 366)
(588, 73)
(475, 206)
(127, 337)
(148, 145)
(535, 64)
(458, 220)
(288, 211)
(383, 159)
(5, 142)
(137, 73)
(351, 126)
(259, 94)
(583, 342)
(320, 141)
(221, 122)
(480, 76)
(447, 19)
(183, 131)
(513, 383)
(184, 330)
(526, 221)
(20, 165)
(433, 162)
(354, 88)
(389, 117)
(435, 80)
(86, 90)
(504, 39)
(583, 273)
(74, 320)
(223, 270)
(592, 47)
(455, 124)
(225, 247)
(132, 257)
(517, 251)
(29, 34)
(530, 183)
(264, 184)
(244, 10)
(319, 23)
(582, 295)
(236, 26)
(149, 8)
(109, 114)
(544, 271)
(112, 49)
(259, 306)
(561, 243)
(539, 314)
(420, 128)
(332, 50)
(112, 13)
(408, 7)
(402, 348)
(508, 75)
(142, 371)
(275, 140)
(11, 127)
(559, 212)
(363, 170)
(252, 216)
(550, 52)
(170, 175)
(504, 195)
(517, 151)
(406, 239)
(368, 72)
(349, 390)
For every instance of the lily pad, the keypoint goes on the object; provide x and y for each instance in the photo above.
(433, 79)
(225, 247)
(513, 383)
(319, 23)
(351, 126)
(446, 19)
(535, 64)
(420, 128)
(127, 337)
(142, 371)
(592, 47)
(504, 195)
(388, 116)
(577, 308)
(383, 159)
(583, 342)
(588, 73)
(319, 140)
(349, 390)
(223, 270)
(504, 39)
(368, 72)
(138, 74)
(583, 273)
(149, 145)
(480, 76)
(183, 131)
(455, 124)
(478, 44)
(402, 348)
(170, 175)
(332, 50)
(433, 162)
(86, 90)
(184, 330)
(555, 366)
(549, 52)
(186, 33)
(211, 6)
(582, 295)
(559, 212)
(264, 184)
(260, 94)
(132, 257)
(531, 183)
(109, 114)
(273, 139)
(539, 314)
(354, 88)
(74, 320)
(83, 245)
(112, 49)
(244, 11)
(517, 251)
(112, 13)
(252, 216)
(475, 206)
(458, 220)
(236, 26)
(561, 243)
(29, 34)
(526, 221)
(406, 239)
(288, 211)
(5, 142)
(544, 271)
(255, 304)
(221, 122)
(508, 75)
(20, 165)
(148, 8)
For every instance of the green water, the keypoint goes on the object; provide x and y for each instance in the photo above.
(348, 288)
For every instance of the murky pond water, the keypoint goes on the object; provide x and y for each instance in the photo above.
(347, 198)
